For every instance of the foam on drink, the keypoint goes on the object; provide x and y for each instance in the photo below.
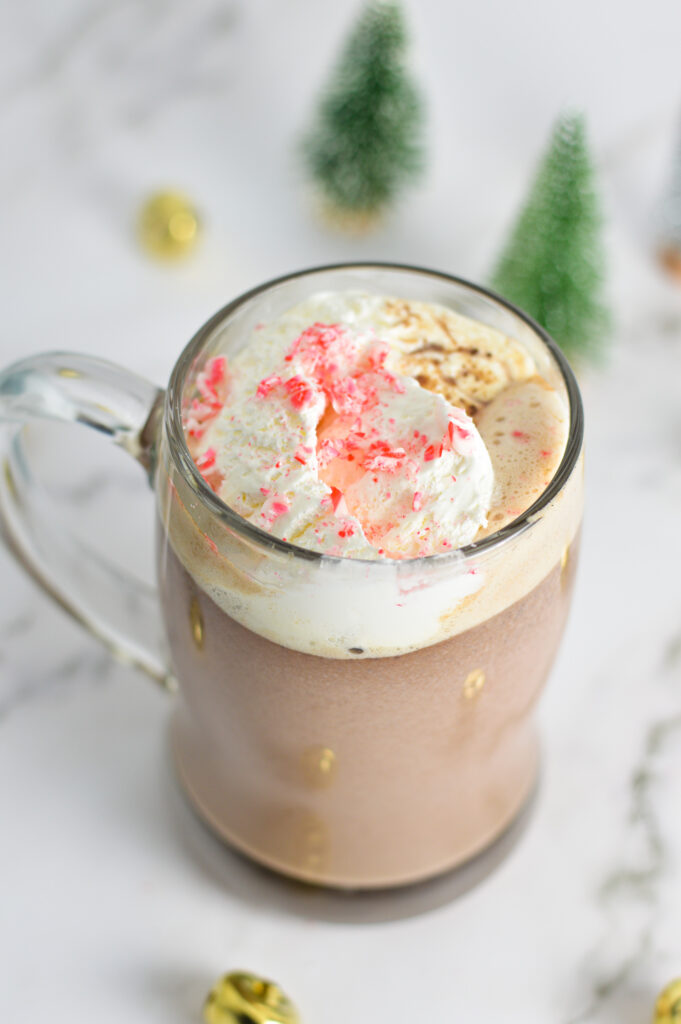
(343, 426)
(381, 430)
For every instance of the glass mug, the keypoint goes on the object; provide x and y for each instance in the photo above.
(350, 723)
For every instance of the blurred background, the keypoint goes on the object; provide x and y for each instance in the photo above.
(103, 104)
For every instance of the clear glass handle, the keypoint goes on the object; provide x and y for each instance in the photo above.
(118, 609)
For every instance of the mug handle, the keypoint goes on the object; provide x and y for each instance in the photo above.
(119, 610)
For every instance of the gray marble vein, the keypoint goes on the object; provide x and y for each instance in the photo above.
(629, 895)
(113, 30)
(112, 69)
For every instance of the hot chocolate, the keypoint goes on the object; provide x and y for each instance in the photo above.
(369, 486)
(359, 659)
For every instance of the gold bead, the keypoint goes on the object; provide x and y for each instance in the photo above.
(668, 1005)
(196, 623)
(473, 683)
(168, 225)
(314, 844)
(319, 766)
(242, 998)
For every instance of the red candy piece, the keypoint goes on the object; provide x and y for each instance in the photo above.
(207, 460)
(301, 454)
(276, 508)
(267, 384)
(433, 452)
(300, 392)
(336, 497)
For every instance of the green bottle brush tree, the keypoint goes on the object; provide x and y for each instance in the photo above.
(553, 263)
(366, 142)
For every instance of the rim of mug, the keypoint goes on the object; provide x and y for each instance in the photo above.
(184, 462)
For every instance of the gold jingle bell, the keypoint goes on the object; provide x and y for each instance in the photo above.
(242, 998)
(668, 1005)
(168, 225)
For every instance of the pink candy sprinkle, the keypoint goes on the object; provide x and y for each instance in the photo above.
(215, 371)
(299, 391)
(301, 454)
(383, 457)
(463, 432)
(274, 508)
(417, 503)
(210, 378)
(313, 344)
(432, 452)
(520, 435)
(206, 466)
(338, 502)
(207, 460)
(329, 449)
(382, 464)
(349, 398)
(210, 385)
(267, 384)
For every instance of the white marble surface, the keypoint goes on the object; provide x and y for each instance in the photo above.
(116, 904)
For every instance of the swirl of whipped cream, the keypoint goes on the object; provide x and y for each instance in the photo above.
(310, 434)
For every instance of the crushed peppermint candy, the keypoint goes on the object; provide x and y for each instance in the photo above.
(324, 443)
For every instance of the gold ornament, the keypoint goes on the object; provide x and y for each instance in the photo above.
(474, 683)
(668, 1005)
(242, 998)
(196, 623)
(319, 766)
(168, 225)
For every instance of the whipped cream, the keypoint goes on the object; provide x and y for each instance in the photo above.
(316, 434)
(368, 605)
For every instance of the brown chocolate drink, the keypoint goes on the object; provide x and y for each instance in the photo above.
(360, 773)
(368, 723)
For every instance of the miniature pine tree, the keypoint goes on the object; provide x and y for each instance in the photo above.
(670, 218)
(552, 265)
(366, 142)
